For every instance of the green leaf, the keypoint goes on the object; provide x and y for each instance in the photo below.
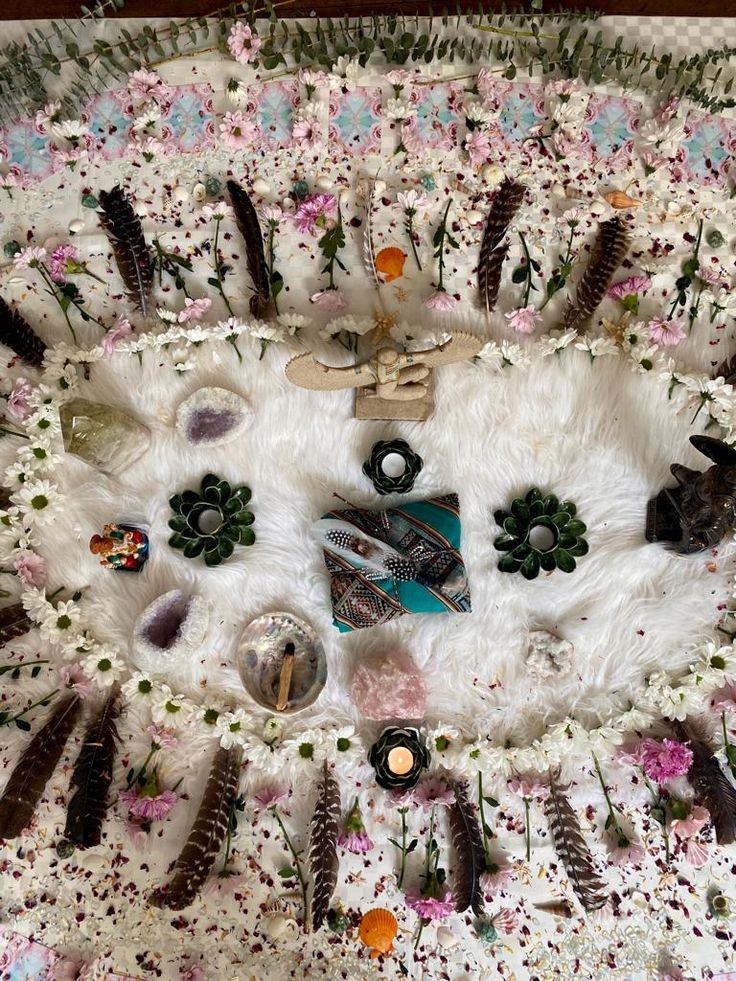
(287, 872)
(491, 801)
(519, 275)
(23, 725)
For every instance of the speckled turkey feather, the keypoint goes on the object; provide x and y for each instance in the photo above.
(33, 770)
(207, 835)
(727, 370)
(608, 252)
(712, 787)
(572, 848)
(323, 860)
(506, 203)
(132, 254)
(17, 334)
(92, 775)
(470, 857)
(250, 229)
(14, 622)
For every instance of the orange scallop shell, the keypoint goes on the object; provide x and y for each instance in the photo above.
(390, 263)
(620, 199)
(377, 930)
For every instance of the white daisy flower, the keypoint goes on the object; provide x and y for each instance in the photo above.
(69, 129)
(38, 456)
(18, 473)
(556, 341)
(597, 347)
(266, 332)
(490, 355)
(217, 212)
(60, 622)
(398, 109)
(514, 354)
(644, 358)
(293, 323)
(104, 666)
(167, 316)
(476, 112)
(36, 605)
(171, 710)
(232, 728)
(237, 92)
(45, 421)
(182, 360)
(38, 499)
(353, 325)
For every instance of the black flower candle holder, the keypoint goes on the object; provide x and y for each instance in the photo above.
(398, 756)
(539, 532)
(385, 483)
(211, 522)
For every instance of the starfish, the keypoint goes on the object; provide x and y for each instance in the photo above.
(384, 323)
(617, 328)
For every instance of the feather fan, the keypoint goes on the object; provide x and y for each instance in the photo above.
(92, 775)
(132, 254)
(17, 334)
(323, 860)
(250, 229)
(712, 787)
(608, 252)
(208, 832)
(470, 856)
(572, 848)
(33, 770)
(506, 203)
(14, 622)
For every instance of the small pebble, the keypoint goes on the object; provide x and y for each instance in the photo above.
(260, 186)
(474, 217)
(76, 226)
(199, 193)
(324, 182)
(141, 209)
(446, 938)
(288, 204)
(181, 194)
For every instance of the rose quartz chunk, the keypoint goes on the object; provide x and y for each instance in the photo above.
(389, 686)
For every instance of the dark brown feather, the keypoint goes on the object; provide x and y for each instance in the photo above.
(712, 787)
(129, 246)
(92, 775)
(14, 622)
(323, 860)
(17, 334)
(470, 856)
(572, 848)
(250, 229)
(727, 370)
(506, 203)
(33, 770)
(608, 252)
(207, 835)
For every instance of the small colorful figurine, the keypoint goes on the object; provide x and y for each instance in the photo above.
(121, 547)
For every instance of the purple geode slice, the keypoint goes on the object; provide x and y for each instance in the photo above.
(213, 416)
(170, 627)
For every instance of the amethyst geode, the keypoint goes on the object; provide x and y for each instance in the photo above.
(213, 416)
(168, 629)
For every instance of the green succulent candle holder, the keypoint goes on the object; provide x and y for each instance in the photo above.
(539, 532)
(400, 482)
(211, 522)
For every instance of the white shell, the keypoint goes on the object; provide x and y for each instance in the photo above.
(288, 204)
(599, 208)
(76, 226)
(558, 191)
(181, 194)
(492, 173)
(279, 927)
(141, 209)
(445, 937)
(474, 217)
(260, 186)
(199, 193)
(379, 187)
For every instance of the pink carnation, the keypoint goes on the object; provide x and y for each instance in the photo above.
(668, 333)
(495, 879)
(194, 309)
(144, 85)
(478, 147)
(524, 320)
(725, 699)
(305, 132)
(64, 260)
(441, 300)
(116, 334)
(163, 737)
(628, 853)
(356, 842)
(269, 795)
(243, 43)
(315, 211)
(429, 908)
(19, 406)
(237, 130)
(149, 808)
(433, 791)
(31, 569)
(329, 299)
(72, 676)
(529, 786)
(633, 286)
(666, 759)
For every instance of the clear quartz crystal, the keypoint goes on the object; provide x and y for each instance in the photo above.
(102, 436)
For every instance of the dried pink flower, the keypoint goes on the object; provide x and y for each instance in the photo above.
(430, 908)
(64, 261)
(144, 85)
(194, 309)
(148, 808)
(478, 147)
(72, 676)
(243, 43)
(433, 792)
(19, 406)
(441, 301)
(237, 130)
(528, 785)
(315, 212)
(31, 569)
(495, 879)
(631, 753)
(668, 333)
(163, 737)
(32, 256)
(269, 795)
(724, 700)
(666, 759)
(329, 299)
(353, 837)
(624, 852)
(688, 826)
(632, 286)
(524, 320)
(116, 334)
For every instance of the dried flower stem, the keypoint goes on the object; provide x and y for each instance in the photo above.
(297, 864)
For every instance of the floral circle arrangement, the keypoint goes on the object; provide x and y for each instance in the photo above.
(212, 521)
(539, 532)
(400, 483)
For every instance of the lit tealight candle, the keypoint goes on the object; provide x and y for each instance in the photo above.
(400, 760)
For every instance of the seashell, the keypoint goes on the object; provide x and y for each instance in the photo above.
(597, 208)
(379, 187)
(378, 928)
(492, 173)
(474, 217)
(446, 938)
(76, 226)
(141, 209)
(260, 186)
(558, 191)
(181, 194)
(620, 199)
(390, 263)
(556, 907)
(199, 192)
(324, 182)
(288, 204)
(279, 927)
